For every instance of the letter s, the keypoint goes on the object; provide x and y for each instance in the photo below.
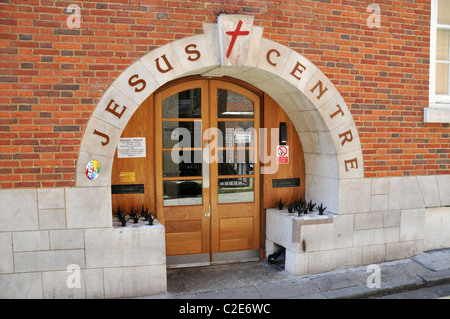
(135, 83)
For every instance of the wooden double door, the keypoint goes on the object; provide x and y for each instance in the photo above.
(208, 172)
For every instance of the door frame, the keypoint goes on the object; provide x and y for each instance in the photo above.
(158, 97)
(241, 87)
(220, 210)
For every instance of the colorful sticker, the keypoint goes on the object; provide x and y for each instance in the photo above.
(92, 170)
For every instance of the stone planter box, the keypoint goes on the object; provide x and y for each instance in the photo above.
(48, 260)
(133, 258)
(284, 230)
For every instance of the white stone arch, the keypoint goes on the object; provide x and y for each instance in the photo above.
(331, 144)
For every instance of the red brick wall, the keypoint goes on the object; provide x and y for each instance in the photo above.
(51, 76)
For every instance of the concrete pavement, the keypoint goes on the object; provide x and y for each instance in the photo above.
(261, 280)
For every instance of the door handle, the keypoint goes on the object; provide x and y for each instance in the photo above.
(208, 213)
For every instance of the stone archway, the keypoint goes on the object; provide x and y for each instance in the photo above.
(324, 124)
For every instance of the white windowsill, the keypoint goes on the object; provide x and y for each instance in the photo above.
(438, 113)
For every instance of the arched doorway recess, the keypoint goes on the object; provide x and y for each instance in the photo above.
(328, 134)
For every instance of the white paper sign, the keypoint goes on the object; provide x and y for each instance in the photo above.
(131, 147)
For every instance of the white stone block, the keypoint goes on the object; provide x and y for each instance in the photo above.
(351, 164)
(66, 239)
(324, 190)
(21, 286)
(392, 218)
(369, 220)
(346, 138)
(103, 178)
(224, 71)
(436, 114)
(54, 284)
(98, 144)
(294, 102)
(315, 120)
(368, 237)
(379, 203)
(380, 186)
(50, 198)
(335, 112)
(317, 142)
(319, 89)
(444, 189)
(254, 46)
(212, 42)
(403, 250)
(300, 123)
(192, 53)
(412, 224)
(136, 83)
(93, 283)
(135, 281)
(404, 193)
(30, 241)
(327, 260)
(19, 209)
(253, 75)
(430, 190)
(336, 235)
(392, 234)
(437, 226)
(116, 247)
(238, 54)
(163, 64)
(6, 254)
(274, 222)
(274, 86)
(355, 195)
(326, 164)
(52, 219)
(64, 284)
(298, 71)
(48, 260)
(88, 207)
(373, 254)
(115, 108)
(295, 263)
(272, 56)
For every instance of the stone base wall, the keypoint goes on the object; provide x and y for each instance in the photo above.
(379, 219)
(47, 234)
(61, 243)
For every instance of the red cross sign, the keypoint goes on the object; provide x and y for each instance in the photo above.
(234, 35)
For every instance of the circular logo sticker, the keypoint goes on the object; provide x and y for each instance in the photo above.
(92, 170)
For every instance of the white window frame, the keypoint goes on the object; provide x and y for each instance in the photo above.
(439, 109)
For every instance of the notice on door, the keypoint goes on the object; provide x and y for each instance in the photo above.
(131, 147)
(282, 154)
